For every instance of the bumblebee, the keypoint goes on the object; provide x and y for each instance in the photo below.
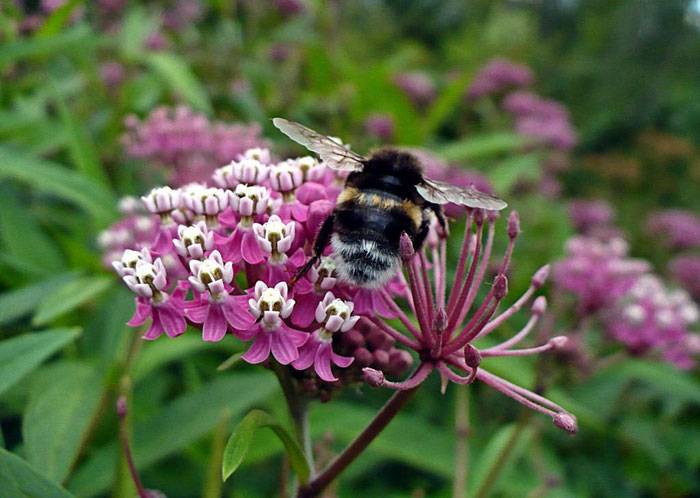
(385, 195)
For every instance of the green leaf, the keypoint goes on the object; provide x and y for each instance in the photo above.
(22, 354)
(176, 74)
(79, 38)
(23, 239)
(508, 172)
(449, 100)
(58, 19)
(69, 297)
(19, 480)
(159, 353)
(239, 443)
(54, 179)
(136, 27)
(176, 426)
(482, 146)
(500, 451)
(81, 147)
(18, 302)
(58, 416)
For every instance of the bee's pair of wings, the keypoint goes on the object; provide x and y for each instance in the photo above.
(338, 157)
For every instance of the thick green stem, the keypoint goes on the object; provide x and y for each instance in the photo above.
(213, 483)
(298, 411)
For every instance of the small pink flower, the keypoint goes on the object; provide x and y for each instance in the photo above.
(162, 201)
(194, 241)
(148, 281)
(270, 306)
(215, 308)
(247, 171)
(275, 238)
(126, 265)
(334, 315)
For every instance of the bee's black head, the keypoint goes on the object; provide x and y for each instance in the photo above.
(394, 162)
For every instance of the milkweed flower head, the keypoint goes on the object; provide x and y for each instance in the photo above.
(498, 76)
(597, 272)
(418, 87)
(685, 269)
(591, 216)
(186, 146)
(233, 245)
(678, 229)
(653, 319)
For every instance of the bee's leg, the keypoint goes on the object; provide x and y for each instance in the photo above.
(322, 239)
(419, 238)
(440, 215)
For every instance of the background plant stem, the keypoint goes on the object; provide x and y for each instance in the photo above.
(459, 486)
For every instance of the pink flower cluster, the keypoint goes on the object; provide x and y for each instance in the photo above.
(597, 272)
(222, 257)
(677, 228)
(594, 218)
(185, 145)
(497, 77)
(541, 119)
(685, 269)
(418, 87)
(635, 306)
(254, 223)
(653, 318)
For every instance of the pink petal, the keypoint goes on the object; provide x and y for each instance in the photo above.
(141, 313)
(306, 355)
(341, 361)
(298, 337)
(155, 330)
(237, 313)
(260, 350)
(380, 305)
(173, 322)
(163, 243)
(197, 311)
(298, 258)
(250, 249)
(299, 211)
(215, 325)
(283, 348)
(322, 363)
(228, 218)
(303, 314)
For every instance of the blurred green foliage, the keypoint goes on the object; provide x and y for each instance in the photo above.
(626, 69)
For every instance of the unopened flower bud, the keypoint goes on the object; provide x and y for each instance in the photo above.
(379, 340)
(440, 321)
(539, 306)
(374, 378)
(381, 359)
(399, 361)
(540, 277)
(121, 406)
(472, 356)
(353, 339)
(565, 421)
(513, 225)
(500, 286)
(363, 357)
(558, 342)
(406, 250)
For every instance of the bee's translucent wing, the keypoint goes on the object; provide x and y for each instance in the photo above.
(335, 155)
(444, 193)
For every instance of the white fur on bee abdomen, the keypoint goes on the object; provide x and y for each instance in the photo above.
(363, 262)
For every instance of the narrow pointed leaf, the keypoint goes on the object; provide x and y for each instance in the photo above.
(19, 480)
(69, 297)
(58, 415)
(22, 354)
(239, 443)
